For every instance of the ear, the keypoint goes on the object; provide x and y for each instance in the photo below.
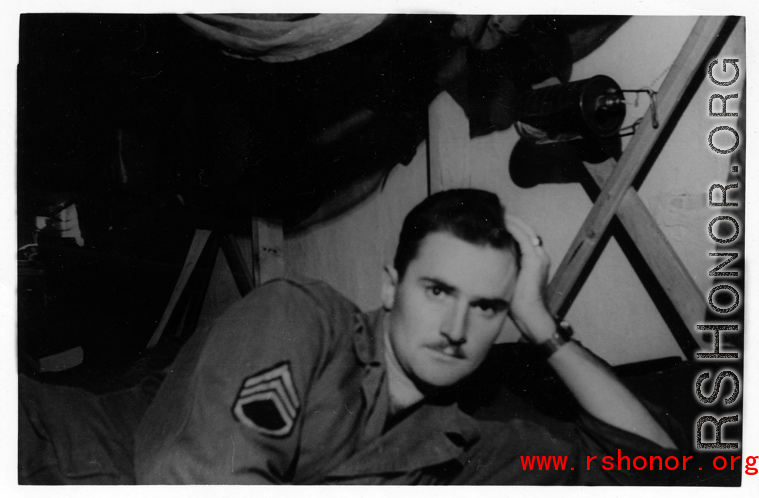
(389, 287)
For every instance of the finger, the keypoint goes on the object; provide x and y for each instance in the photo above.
(512, 222)
(523, 233)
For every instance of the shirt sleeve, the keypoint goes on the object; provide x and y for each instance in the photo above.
(231, 409)
(607, 454)
(534, 449)
(517, 430)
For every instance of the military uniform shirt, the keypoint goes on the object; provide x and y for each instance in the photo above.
(289, 386)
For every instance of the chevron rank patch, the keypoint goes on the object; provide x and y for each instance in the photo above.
(268, 402)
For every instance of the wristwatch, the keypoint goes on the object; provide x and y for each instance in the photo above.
(562, 335)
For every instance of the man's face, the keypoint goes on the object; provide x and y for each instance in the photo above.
(449, 307)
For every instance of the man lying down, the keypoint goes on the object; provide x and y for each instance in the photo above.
(294, 384)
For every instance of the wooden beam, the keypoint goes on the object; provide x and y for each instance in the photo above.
(268, 250)
(448, 144)
(237, 265)
(199, 241)
(660, 256)
(702, 42)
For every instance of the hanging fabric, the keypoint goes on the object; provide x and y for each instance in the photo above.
(281, 39)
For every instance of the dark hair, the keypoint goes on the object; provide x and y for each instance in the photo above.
(475, 216)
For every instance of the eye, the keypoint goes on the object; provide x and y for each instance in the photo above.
(488, 310)
(436, 291)
(485, 310)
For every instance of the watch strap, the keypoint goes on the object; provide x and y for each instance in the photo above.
(562, 335)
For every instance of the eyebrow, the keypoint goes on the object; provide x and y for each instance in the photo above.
(496, 303)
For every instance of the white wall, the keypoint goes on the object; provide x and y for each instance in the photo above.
(350, 251)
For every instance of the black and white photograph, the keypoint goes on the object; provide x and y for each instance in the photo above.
(438, 246)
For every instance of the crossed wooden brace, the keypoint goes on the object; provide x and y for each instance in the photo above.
(618, 196)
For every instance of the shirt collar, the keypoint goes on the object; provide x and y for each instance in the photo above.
(369, 346)
(368, 339)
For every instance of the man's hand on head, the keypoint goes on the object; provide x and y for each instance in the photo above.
(588, 377)
(528, 306)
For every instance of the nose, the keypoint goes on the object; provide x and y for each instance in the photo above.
(454, 326)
